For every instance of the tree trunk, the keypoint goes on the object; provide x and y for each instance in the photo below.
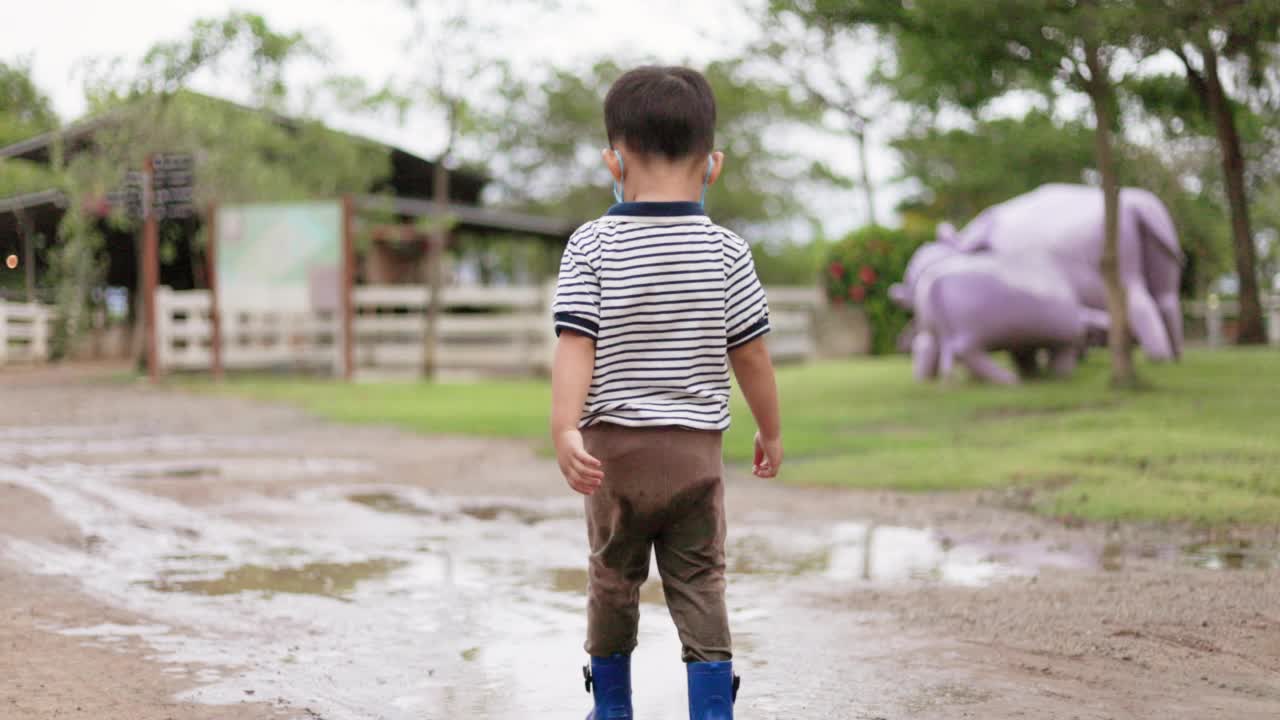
(1250, 323)
(867, 188)
(1123, 372)
(435, 252)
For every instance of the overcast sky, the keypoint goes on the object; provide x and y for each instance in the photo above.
(365, 38)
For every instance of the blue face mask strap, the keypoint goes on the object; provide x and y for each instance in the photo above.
(617, 184)
(706, 180)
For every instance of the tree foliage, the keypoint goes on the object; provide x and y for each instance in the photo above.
(972, 52)
(241, 153)
(833, 66)
(550, 139)
(25, 110)
(1220, 41)
(239, 44)
(961, 172)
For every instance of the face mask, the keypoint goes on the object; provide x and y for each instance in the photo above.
(618, 186)
(706, 180)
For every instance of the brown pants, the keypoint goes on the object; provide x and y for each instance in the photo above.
(663, 488)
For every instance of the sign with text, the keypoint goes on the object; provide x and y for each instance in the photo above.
(172, 189)
(279, 256)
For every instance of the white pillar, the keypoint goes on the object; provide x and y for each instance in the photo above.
(39, 333)
(4, 333)
(164, 325)
(1213, 321)
(339, 343)
(548, 353)
(1273, 321)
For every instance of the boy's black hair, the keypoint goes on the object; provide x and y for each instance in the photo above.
(668, 111)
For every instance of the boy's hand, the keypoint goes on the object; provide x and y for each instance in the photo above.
(583, 472)
(768, 456)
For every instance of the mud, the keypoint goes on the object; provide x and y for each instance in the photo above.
(169, 556)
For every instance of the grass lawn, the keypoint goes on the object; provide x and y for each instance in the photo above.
(1203, 445)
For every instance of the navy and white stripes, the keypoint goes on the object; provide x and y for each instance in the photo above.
(666, 294)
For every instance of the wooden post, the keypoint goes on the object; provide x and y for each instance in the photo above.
(346, 288)
(215, 315)
(150, 265)
(28, 254)
(435, 260)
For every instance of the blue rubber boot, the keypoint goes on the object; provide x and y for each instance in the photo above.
(712, 690)
(609, 681)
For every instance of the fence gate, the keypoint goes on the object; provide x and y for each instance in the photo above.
(24, 332)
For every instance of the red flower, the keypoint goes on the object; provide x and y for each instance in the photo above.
(858, 293)
(867, 274)
(837, 270)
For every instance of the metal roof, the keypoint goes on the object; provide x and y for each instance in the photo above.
(36, 149)
(31, 200)
(489, 218)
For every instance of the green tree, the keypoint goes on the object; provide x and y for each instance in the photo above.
(550, 136)
(242, 153)
(1213, 39)
(25, 110)
(816, 59)
(452, 65)
(961, 172)
(239, 44)
(970, 52)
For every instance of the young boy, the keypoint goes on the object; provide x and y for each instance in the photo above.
(654, 303)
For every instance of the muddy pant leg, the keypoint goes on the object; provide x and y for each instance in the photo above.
(618, 567)
(690, 553)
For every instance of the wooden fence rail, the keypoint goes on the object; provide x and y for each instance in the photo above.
(482, 330)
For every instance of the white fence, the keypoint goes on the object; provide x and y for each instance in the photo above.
(24, 332)
(1215, 312)
(481, 330)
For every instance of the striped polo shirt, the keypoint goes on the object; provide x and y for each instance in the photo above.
(665, 293)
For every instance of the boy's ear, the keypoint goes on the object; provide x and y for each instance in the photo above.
(611, 162)
(717, 158)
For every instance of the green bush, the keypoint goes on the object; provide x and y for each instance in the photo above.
(859, 270)
(788, 263)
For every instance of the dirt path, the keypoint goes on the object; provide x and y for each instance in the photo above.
(164, 556)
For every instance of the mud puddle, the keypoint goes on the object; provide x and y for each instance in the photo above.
(389, 602)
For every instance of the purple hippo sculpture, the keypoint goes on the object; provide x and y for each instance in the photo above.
(1066, 221)
(969, 304)
(1026, 276)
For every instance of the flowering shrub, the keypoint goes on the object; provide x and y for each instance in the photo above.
(859, 270)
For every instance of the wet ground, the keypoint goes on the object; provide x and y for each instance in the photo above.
(235, 560)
